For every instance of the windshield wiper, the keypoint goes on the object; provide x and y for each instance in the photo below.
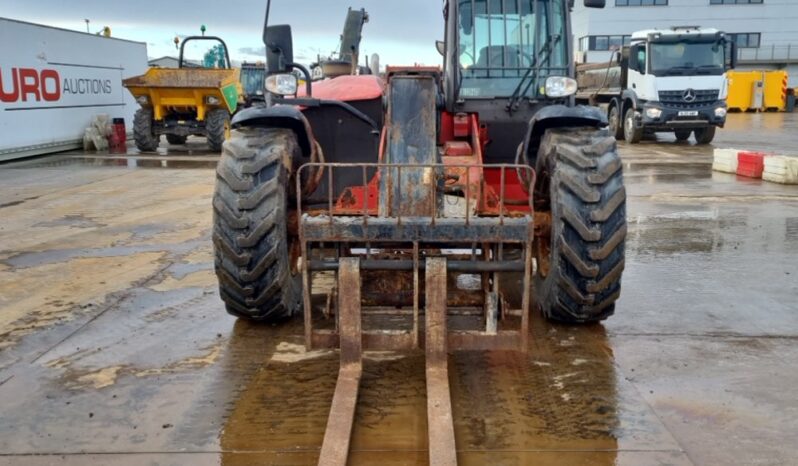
(678, 70)
(532, 72)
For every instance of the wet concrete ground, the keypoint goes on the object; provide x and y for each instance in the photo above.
(114, 347)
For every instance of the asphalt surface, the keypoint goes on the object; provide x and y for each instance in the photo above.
(115, 349)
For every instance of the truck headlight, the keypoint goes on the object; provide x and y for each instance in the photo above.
(143, 100)
(212, 100)
(282, 84)
(653, 113)
(560, 86)
(720, 112)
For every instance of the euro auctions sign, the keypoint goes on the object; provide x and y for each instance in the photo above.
(53, 82)
(60, 85)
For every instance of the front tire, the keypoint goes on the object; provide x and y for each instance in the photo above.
(216, 124)
(581, 260)
(146, 139)
(257, 275)
(705, 135)
(631, 132)
(682, 135)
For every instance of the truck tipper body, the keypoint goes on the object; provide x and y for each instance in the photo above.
(670, 80)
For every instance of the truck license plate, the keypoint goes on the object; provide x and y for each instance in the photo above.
(688, 113)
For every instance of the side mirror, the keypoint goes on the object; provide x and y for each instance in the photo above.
(731, 60)
(441, 46)
(634, 58)
(279, 48)
(595, 3)
(466, 17)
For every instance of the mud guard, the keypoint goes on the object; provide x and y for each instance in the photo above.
(559, 116)
(279, 116)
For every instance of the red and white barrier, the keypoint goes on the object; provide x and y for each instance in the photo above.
(750, 164)
(725, 160)
(780, 169)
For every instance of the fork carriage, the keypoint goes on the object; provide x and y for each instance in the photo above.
(479, 231)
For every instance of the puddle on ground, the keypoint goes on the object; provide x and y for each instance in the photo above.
(123, 162)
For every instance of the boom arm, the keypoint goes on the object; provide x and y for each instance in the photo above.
(353, 33)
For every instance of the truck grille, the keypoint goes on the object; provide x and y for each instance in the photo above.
(681, 99)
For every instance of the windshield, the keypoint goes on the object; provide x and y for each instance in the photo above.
(687, 58)
(252, 80)
(199, 53)
(500, 39)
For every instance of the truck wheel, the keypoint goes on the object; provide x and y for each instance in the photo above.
(682, 134)
(146, 140)
(216, 123)
(257, 273)
(175, 139)
(631, 132)
(616, 122)
(581, 257)
(705, 135)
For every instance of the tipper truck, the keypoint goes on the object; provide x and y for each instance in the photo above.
(670, 80)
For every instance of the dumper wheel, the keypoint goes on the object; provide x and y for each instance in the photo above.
(705, 135)
(254, 255)
(581, 256)
(175, 139)
(216, 123)
(146, 140)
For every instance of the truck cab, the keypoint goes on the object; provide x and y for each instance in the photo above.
(670, 80)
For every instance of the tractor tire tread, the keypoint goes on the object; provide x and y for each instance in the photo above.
(215, 128)
(251, 242)
(146, 140)
(588, 207)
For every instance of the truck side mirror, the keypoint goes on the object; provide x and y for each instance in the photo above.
(279, 48)
(595, 3)
(466, 17)
(634, 58)
(441, 46)
(731, 58)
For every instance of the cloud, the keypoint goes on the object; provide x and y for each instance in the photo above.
(403, 32)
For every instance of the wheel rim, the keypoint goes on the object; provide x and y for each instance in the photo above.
(629, 124)
(614, 119)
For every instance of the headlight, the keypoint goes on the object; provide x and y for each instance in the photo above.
(281, 84)
(143, 100)
(212, 100)
(653, 113)
(560, 86)
(720, 112)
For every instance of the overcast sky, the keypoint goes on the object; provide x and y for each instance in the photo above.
(402, 32)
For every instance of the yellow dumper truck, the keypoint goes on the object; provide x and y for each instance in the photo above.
(184, 101)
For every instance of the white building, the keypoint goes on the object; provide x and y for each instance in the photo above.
(765, 30)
